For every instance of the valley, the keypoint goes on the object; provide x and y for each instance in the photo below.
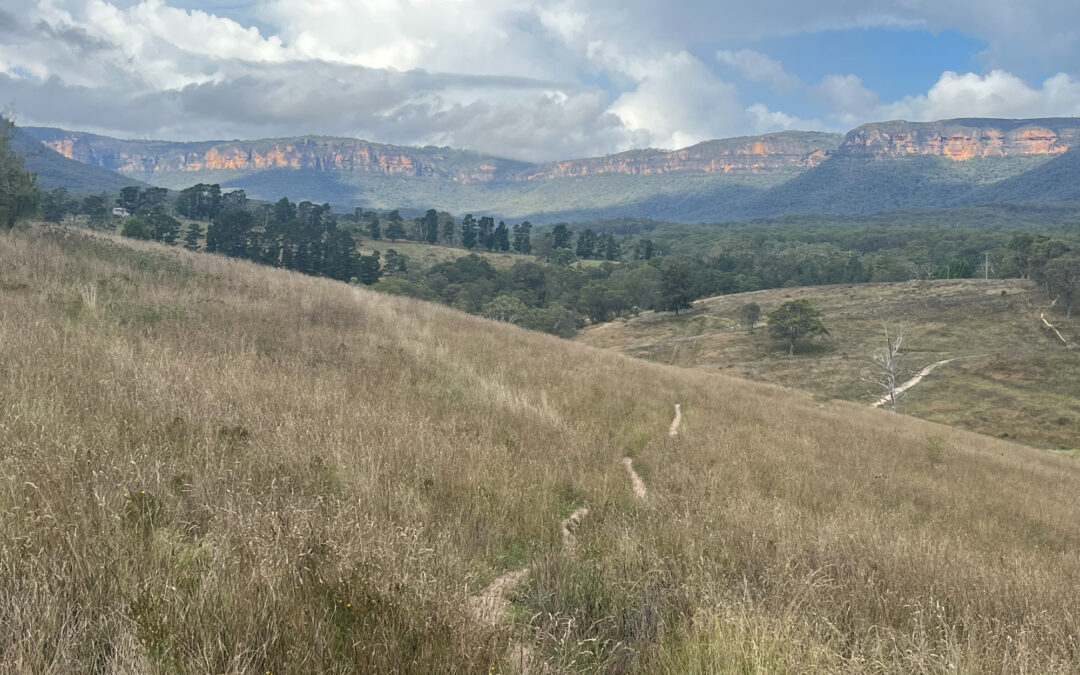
(1008, 376)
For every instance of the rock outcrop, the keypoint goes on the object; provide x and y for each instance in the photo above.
(962, 139)
(783, 152)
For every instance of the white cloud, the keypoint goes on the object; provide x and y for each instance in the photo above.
(759, 67)
(997, 94)
(849, 101)
(679, 102)
(534, 79)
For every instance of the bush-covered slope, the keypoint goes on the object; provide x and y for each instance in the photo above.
(214, 467)
(1056, 180)
(54, 170)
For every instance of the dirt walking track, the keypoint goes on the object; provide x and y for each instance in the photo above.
(492, 604)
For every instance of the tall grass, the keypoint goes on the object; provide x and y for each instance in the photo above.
(208, 466)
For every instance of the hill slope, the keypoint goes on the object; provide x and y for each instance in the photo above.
(1021, 385)
(897, 165)
(210, 466)
(54, 170)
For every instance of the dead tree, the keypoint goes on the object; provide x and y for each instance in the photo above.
(888, 362)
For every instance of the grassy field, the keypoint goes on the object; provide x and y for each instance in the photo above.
(423, 255)
(208, 466)
(1014, 380)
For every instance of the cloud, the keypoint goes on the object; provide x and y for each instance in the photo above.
(73, 36)
(997, 94)
(758, 67)
(532, 79)
(848, 100)
(679, 102)
(9, 24)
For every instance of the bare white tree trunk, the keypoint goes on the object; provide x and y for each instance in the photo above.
(888, 361)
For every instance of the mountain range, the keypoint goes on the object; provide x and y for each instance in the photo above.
(875, 167)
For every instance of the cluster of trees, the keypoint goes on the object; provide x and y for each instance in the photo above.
(19, 193)
(304, 237)
(440, 228)
(1053, 263)
(548, 296)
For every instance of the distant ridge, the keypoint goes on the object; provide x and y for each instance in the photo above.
(875, 167)
(54, 170)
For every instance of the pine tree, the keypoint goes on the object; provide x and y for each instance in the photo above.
(523, 237)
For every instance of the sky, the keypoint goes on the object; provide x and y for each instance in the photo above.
(534, 80)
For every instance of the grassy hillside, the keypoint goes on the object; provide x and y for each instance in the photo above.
(423, 255)
(213, 467)
(1018, 382)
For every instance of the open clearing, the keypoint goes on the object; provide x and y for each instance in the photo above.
(1022, 385)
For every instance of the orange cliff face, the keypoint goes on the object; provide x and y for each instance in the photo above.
(960, 142)
(781, 152)
(315, 154)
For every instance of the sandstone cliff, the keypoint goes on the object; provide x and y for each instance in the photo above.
(962, 139)
(783, 152)
(310, 153)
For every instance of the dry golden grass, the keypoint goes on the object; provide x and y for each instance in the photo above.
(207, 466)
(1021, 385)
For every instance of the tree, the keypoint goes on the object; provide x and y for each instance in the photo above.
(586, 244)
(598, 301)
(751, 314)
(129, 198)
(374, 228)
(486, 232)
(677, 284)
(163, 227)
(639, 285)
(19, 193)
(96, 208)
(230, 233)
(56, 204)
(1063, 279)
(368, 270)
(468, 231)
(610, 247)
(395, 262)
(505, 308)
(136, 228)
(643, 249)
(523, 237)
(395, 230)
(431, 226)
(957, 268)
(449, 231)
(560, 236)
(152, 200)
(795, 320)
(888, 361)
(194, 234)
(501, 238)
